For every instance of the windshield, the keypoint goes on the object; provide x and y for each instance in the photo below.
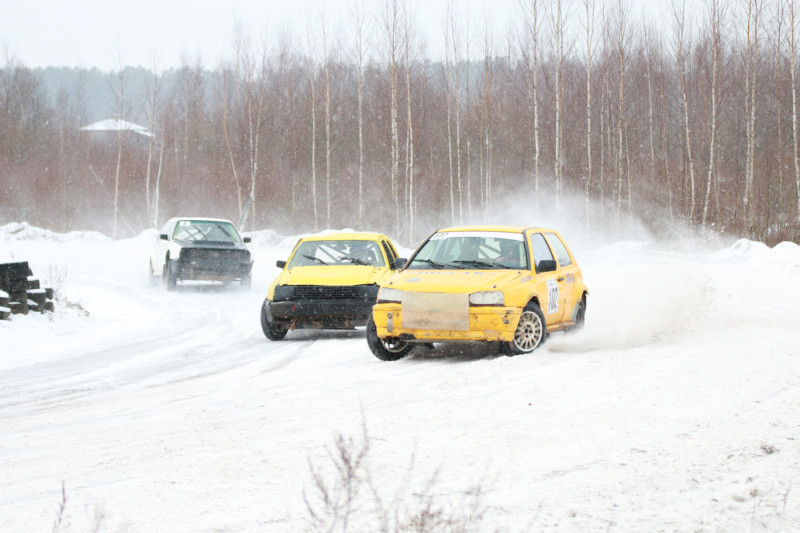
(334, 252)
(206, 231)
(472, 250)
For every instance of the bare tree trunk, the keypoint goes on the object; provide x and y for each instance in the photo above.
(793, 54)
(390, 20)
(455, 34)
(410, 167)
(712, 137)
(779, 108)
(327, 122)
(358, 16)
(680, 18)
(311, 80)
(157, 192)
(649, 53)
(486, 126)
(120, 114)
(589, 7)
(751, 77)
(450, 170)
(530, 51)
(150, 143)
(621, 37)
(665, 144)
(468, 155)
(558, 28)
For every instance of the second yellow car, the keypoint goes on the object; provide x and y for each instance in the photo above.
(330, 281)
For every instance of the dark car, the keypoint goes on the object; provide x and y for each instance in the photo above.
(200, 249)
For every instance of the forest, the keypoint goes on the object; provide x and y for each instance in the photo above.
(583, 104)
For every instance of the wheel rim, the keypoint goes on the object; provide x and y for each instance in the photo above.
(394, 345)
(529, 331)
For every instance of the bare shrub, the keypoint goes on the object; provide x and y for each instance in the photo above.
(56, 279)
(62, 505)
(344, 496)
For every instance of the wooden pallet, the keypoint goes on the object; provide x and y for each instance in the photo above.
(21, 293)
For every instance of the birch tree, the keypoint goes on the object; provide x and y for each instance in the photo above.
(390, 20)
(359, 21)
(679, 11)
(589, 9)
(530, 11)
(792, 6)
(714, 24)
(151, 144)
(753, 10)
(311, 66)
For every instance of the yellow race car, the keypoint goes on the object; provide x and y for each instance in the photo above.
(505, 284)
(330, 281)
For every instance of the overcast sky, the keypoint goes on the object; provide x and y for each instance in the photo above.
(109, 33)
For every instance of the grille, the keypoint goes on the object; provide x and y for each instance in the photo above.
(322, 292)
(216, 255)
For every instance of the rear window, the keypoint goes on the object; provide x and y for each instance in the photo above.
(558, 247)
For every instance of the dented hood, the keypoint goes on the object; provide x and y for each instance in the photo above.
(333, 275)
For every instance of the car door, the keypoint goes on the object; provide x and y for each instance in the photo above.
(549, 278)
(569, 273)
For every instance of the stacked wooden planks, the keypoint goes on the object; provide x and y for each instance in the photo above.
(20, 292)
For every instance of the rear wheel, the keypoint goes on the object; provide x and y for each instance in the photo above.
(388, 349)
(273, 331)
(580, 315)
(153, 278)
(530, 332)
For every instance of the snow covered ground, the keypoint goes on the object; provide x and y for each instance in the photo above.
(676, 409)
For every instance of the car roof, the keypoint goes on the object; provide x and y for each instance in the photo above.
(500, 228)
(201, 219)
(345, 236)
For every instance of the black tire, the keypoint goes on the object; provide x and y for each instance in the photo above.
(530, 333)
(171, 270)
(272, 331)
(247, 281)
(386, 349)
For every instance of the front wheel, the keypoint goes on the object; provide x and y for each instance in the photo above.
(530, 332)
(246, 282)
(273, 331)
(171, 269)
(386, 349)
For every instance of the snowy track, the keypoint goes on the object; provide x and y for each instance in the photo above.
(678, 408)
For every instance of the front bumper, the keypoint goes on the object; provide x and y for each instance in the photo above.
(320, 314)
(485, 323)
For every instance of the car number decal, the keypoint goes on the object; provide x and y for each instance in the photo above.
(552, 296)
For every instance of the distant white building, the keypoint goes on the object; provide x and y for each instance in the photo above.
(115, 124)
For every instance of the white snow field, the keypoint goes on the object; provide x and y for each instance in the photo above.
(677, 408)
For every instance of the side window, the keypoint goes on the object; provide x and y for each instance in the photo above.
(390, 255)
(560, 250)
(542, 256)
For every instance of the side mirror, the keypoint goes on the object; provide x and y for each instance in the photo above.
(280, 264)
(400, 262)
(246, 240)
(547, 265)
(163, 237)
